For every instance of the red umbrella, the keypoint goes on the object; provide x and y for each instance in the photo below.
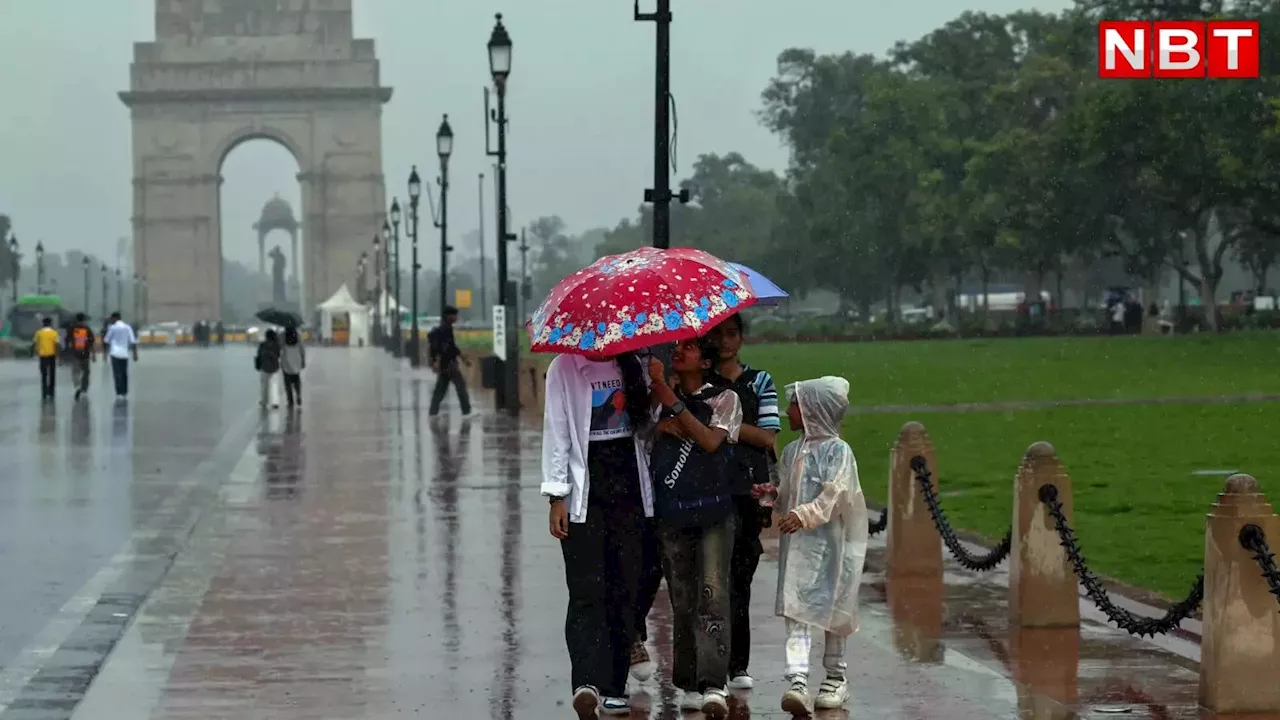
(638, 299)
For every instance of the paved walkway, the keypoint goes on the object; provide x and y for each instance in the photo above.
(360, 560)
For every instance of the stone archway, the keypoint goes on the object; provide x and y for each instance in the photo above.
(308, 84)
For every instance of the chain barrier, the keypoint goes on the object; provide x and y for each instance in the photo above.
(1125, 620)
(1253, 539)
(971, 562)
(875, 527)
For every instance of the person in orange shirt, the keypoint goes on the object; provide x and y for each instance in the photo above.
(46, 347)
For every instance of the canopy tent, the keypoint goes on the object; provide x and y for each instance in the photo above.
(342, 303)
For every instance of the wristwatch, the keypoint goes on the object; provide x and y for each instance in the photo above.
(677, 407)
(553, 499)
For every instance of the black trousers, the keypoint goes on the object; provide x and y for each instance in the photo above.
(603, 570)
(120, 373)
(293, 389)
(450, 373)
(48, 375)
(650, 582)
(742, 570)
(80, 373)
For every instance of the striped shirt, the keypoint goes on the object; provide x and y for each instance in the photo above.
(767, 405)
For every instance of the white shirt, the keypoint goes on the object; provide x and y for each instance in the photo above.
(120, 339)
(566, 434)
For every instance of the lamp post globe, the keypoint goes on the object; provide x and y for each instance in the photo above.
(40, 250)
(499, 53)
(84, 263)
(395, 211)
(415, 186)
(444, 140)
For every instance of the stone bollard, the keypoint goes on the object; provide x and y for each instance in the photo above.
(1045, 663)
(1240, 640)
(1043, 589)
(914, 545)
(916, 606)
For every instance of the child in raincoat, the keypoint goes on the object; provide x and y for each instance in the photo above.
(824, 540)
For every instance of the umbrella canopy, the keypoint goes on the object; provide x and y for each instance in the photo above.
(766, 290)
(277, 316)
(623, 303)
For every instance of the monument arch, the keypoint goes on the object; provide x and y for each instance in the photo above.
(220, 74)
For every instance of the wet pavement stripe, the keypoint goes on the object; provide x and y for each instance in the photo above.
(50, 676)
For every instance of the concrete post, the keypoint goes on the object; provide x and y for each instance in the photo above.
(1043, 589)
(1045, 667)
(914, 545)
(1240, 642)
(916, 606)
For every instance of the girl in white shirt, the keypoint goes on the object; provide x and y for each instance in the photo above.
(596, 478)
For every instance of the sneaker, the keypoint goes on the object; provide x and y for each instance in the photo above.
(741, 681)
(796, 699)
(641, 665)
(615, 706)
(832, 694)
(585, 701)
(715, 704)
(691, 701)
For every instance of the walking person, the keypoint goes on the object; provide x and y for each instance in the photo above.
(445, 356)
(755, 454)
(595, 475)
(693, 502)
(293, 360)
(267, 363)
(824, 541)
(120, 344)
(46, 347)
(80, 341)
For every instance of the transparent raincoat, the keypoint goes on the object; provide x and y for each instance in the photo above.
(820, 566)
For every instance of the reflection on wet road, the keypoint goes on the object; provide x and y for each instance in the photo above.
(362, 560)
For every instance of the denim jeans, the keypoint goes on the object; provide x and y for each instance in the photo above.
(696, 561)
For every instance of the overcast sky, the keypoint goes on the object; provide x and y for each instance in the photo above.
(581, 101)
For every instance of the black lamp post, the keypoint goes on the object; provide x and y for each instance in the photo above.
(660, 194)
(508, 391)
(444, 148)
(415, 194)
(526, 292)
(17, 265)
(40, 267)
(105, 301)
(85, 263)
(137, 314)
(120, 294)
(397, 345)
(377, 281)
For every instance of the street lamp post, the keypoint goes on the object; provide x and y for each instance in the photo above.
(40, 267)
(17, 265)
(415, 194)
(377, 281)
(85, 263)
(484, 285)
(105, 300)
(444, 148)
(508, 394)
(137, 313)
(526, 292)
(362, 288)
(386, 253)
(660, 194)
(397, 347)
(120, 294)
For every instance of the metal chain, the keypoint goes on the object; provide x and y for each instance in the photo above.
(875, 527)
(1125, 620)
(972, 562)
(1253, 539)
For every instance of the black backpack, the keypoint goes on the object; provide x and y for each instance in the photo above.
(691, 487)
(750, 464)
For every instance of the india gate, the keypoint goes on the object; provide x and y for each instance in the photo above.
(219, 73)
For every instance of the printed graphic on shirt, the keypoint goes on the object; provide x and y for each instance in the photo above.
(609, 418)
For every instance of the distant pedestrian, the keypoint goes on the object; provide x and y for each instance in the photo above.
(293, 360)
(119, 343)
(45, 347)
(80, 341)
(445, 356)
(824, 541)
(267, 363)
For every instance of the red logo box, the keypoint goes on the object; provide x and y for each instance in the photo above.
(1178, 49)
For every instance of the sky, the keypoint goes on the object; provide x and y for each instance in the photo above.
(580, 103)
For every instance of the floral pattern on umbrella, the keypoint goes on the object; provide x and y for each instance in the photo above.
(645, 297)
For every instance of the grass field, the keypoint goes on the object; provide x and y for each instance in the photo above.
(1139, 509)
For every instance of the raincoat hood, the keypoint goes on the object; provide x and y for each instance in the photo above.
(823, 404)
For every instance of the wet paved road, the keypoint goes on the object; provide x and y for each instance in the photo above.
(359, 560)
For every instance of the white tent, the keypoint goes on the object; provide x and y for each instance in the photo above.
(358, 317)
(388, 310)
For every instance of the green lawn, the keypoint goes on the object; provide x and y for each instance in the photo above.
(1139, 510)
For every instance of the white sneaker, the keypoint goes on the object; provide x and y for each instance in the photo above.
(741, 682)
(691, 701)
(715, 704)
(796, 699)
(642, 665)
(832, 694)
(585, 701)
(615, 706)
